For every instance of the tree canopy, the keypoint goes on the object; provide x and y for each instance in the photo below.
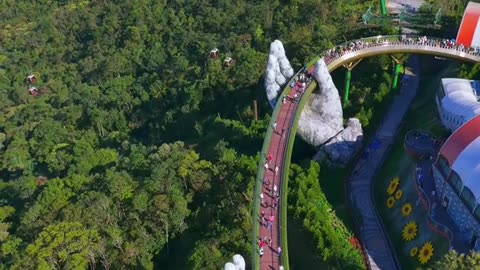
(453, 260)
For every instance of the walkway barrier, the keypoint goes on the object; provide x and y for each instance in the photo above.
(365, 47)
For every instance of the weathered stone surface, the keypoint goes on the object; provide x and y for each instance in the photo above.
(239, 261)
(341, 148)
(230, 266)
(321, 122)
(278, 72)
(322, 117)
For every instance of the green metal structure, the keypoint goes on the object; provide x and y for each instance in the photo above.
(348, 78)
(398, 68)
(383, 5)
(404, 17)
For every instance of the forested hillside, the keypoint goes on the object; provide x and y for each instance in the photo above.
(138, 138)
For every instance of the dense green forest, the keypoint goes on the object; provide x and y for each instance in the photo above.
(141, 151)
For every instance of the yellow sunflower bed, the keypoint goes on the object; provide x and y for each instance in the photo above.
(407, 209)
(410, 231)
(390, 202)
(425, 253)
(398, 194)
(414, 251)
(393, 186)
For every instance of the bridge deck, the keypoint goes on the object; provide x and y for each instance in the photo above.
(278, 145)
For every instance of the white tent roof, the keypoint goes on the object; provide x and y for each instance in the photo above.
(460, 98)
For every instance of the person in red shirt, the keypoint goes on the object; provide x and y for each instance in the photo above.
(262, 243)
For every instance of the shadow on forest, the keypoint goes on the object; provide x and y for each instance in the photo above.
(233, 105)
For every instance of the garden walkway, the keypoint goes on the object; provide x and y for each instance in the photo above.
(271, 260)
(379, 251)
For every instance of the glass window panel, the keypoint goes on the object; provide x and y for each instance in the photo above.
(468, 198)
(443, 167)
(456, 182)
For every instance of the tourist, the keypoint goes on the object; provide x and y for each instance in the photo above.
(274, 126)
(266, 182)
(274, 190)
(279, 251)
(261, 243)
(261, 252)
(284, 99)
(271, 218)
(276, 170)
(266, 166)
(261, 197)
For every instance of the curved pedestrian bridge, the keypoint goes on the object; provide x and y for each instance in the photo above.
(397, 44)
(278, 143)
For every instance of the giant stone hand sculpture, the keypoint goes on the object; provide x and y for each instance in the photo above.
(238, 263)
(321, 121)
(279, 71)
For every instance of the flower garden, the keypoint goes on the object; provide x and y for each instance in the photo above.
(421, 249)
(404, 216)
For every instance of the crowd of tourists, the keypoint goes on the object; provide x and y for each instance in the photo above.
(361, 44)
(270, 193)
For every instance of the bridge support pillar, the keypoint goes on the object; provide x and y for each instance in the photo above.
(383, 6)
(348, 77)
(396, 72)
(398, 68)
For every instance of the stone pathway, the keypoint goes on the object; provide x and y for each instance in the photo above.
(379, 250)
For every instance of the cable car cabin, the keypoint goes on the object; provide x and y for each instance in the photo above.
(228, 62)
(31, 79)
(34, 91)
(214, 53)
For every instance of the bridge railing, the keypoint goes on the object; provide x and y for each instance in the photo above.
(404, 40)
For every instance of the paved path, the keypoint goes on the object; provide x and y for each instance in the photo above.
(379, 250)
(278, 145)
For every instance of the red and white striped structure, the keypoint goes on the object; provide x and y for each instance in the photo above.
(469, 32)
(462, 151)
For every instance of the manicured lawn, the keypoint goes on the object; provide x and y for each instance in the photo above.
(422, 115)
